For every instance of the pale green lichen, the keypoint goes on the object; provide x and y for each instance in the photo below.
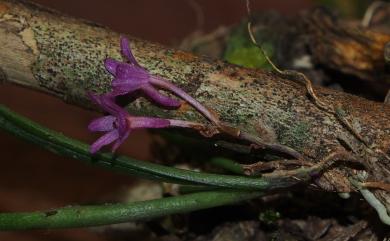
(65, 64)
(295, 136)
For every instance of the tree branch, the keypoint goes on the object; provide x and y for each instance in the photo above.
(63, 56)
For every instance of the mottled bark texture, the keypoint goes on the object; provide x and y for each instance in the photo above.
(44, 50)
(317, 43)
(349, 48)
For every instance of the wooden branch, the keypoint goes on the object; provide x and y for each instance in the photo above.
(348, 48)
(46, 51)
(315, 41)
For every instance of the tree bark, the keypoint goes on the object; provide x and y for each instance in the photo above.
(63, 56)
(317, 43)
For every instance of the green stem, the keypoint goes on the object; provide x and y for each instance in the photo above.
(59, 144)
(186, 189)
(227, 164)
(84, 216)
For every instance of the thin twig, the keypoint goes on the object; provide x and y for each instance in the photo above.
(377, 185)
(314, 170)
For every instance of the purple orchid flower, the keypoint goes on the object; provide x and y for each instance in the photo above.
(109, 124)
(119, 123)
(115, 123)
(129, 77)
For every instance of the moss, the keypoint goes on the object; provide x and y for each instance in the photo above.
(250, 57)
(241, 51)
(269, 216)
(296, 136)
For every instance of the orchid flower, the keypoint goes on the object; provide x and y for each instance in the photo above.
(119, 123)
(109, 124)
(130, 77)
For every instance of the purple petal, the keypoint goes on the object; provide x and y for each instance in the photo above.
(119, 90)
(132, 73)
(104, 140)
(97, 100)
(119, 141)
(105, 123)
(128, 79)
(148, 122)
(125, 49)
(123, 125)
(111, 65)
(159, 98)
(107, 103)
(125, 86)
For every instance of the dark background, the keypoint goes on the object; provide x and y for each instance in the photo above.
(33, 179)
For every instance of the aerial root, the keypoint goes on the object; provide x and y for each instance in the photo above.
(258, 167)
(306, 170)
(376, 185)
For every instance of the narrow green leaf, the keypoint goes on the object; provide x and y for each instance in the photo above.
(59, 144)
(84, 216)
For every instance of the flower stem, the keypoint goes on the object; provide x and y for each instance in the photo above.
(184, 124)
(220, 127)
(84, 216)
(205, 130)
(182, 94)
